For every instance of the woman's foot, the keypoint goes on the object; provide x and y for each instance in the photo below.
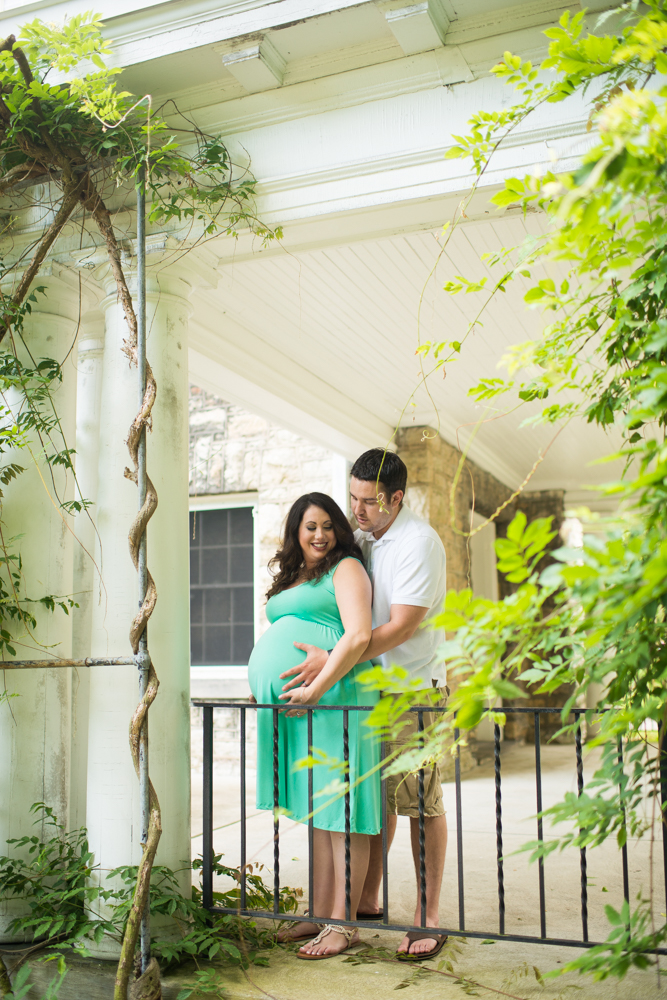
(298, 932)
(333, 943)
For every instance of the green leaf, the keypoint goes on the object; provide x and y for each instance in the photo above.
(515, 528)
(506, 689)
(469, 715)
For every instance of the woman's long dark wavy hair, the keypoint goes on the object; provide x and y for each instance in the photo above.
(287, 563)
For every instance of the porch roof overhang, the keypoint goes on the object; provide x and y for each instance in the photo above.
(346, 133)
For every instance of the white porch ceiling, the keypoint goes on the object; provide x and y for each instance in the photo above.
(332, 333)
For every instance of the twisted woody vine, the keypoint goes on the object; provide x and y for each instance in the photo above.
(597, 615)
(83, 140)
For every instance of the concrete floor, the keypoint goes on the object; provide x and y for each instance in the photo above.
(501, 970)
(492, 965)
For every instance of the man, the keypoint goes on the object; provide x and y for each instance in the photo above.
(406, 561)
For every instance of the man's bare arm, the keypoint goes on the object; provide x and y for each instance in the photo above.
(404, 622)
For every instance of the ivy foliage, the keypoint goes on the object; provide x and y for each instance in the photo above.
(597, 615)
(70, 140)
(22, 987)
(83, 133)
(55, 875)
(65, 123)
(29, 425)
(203, 934)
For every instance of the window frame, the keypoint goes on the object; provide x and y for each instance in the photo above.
(230, 501)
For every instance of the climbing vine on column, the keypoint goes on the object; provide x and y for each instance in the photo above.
(77, 147)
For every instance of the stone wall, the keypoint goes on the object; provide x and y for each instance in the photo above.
(432, 466)
(233, 451)
(538, 503)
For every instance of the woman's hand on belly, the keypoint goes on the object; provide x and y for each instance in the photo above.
(306, 672)
(301, 696)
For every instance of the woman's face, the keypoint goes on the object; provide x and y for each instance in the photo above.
(316, 536)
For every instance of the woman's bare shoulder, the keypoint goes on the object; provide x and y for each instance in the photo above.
(348, 569)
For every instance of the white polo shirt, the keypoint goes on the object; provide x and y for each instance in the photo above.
(408, 566)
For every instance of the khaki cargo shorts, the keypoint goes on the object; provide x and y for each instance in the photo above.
(403, 789)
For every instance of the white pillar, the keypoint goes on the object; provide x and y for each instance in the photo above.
(35, 728)
(113, 790)
(340, 482)
(86, 581)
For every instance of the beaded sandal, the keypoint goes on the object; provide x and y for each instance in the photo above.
(289, 938)
(347, 932)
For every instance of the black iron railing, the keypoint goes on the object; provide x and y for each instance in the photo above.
(209, 705)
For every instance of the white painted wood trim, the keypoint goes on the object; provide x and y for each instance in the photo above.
(218, 501)
(211, 375)
(227, 501)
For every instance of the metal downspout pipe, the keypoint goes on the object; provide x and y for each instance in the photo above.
(143, 657)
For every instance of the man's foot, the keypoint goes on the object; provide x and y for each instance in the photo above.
(369, 909)
(298, 932)
(330, 942)
(409, 947)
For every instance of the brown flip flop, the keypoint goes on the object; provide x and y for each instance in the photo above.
(423, 956)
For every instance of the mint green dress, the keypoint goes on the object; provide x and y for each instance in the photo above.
(309, 613)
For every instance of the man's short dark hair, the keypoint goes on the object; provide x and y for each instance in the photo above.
(385, 465)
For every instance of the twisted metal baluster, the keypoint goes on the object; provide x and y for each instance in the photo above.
(346, 758)
(499, 831)
(662, 750)
(624, 849)
(242, 735)
(385, 848)
(422, 828)
(207, 810)
(582, 850)
(540, 831)
(459, 832)
(276, 814)
(311, 841)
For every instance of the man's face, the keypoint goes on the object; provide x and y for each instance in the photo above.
(372, 506)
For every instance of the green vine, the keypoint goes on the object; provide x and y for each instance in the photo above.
(88, 142)
(597, 617)
(57, 878)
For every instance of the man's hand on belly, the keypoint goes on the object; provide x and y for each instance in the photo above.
(306, 672)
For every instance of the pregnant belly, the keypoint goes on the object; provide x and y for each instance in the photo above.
(275, 653)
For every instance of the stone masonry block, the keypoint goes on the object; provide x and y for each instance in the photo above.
(245, 425)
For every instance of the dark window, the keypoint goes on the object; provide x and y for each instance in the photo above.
(221, 586)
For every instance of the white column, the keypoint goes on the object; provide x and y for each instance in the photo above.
(35, 728)
(86, 581)
(113, 790)
(340, 481)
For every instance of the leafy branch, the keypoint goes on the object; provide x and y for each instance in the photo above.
(597, 616)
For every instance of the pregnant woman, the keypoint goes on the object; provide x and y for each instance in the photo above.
(321, 594)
